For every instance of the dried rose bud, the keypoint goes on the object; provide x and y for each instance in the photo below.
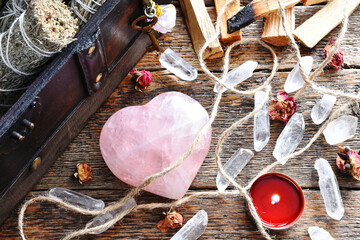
(349, 161)
(337, 60)
(172, 220)
(282, 108)
(142, 79)
(83, 173)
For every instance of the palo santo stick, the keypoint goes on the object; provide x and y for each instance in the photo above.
(273, 31)
(200, 27)
(321, 23)
(254, 10)
(311, 2)
(230, 11)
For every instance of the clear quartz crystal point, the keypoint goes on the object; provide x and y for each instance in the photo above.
(233, 167)
(317, 233)
(322, 108)
(261, 122)
(194, 228)
(178, 66)
(295, 81)
(290, 137)
(329, 189)
(340, 129)
(77, 199)
(238, 75)
(101, 219)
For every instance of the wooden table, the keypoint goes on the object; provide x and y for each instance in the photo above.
(227, 215)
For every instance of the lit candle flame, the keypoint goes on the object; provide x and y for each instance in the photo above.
(275, 199)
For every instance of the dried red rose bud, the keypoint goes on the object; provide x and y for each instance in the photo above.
(349, 161)
(142, 79)
(337, 60)
(172, 220)
(83, 173)
(282, 108)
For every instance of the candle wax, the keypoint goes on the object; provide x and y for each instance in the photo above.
(278, 201)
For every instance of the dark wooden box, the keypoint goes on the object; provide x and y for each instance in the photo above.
(64, 96)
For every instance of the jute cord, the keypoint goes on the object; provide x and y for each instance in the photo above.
(240, 190)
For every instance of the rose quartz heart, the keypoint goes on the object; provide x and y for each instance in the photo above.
(139, 141)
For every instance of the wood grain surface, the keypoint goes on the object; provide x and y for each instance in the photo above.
(228, 217)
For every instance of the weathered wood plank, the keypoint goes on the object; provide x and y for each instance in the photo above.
(230, 221)
(85, 147)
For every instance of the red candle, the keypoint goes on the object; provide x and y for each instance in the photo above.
(278, 199)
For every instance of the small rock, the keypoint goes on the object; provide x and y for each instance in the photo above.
(238, 75)
(178, 66)
(340, 129)
(290, 137)
(194, 228)
(329, 189)
(76, 199)
(261, 122)
(322, 108)
(233, 167)
(295, 81)
(317, 233)
(102, 219)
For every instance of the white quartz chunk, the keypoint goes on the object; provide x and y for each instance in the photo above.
(194, 228)
(290, 137)
(295, 81)
(102, 219)
(322, 108)
(317, 233)
(261, 122)
(329, 189)
(76, 199)
(178, 66)
(238, 75)
(340, 129)
(233, 167)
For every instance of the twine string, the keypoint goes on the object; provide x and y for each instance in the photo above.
(240, 190)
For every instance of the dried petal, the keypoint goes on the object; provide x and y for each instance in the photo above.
(337, 60)
(172, 220)
(282, 108)
(83, 173)
(349, 160)
(142, 79)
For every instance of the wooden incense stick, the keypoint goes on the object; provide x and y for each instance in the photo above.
(321, 23)
(200, 27)
(311, 2)
(230, 11)
(273, 31)
(254, 10)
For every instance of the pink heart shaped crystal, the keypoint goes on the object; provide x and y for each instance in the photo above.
(139, 141)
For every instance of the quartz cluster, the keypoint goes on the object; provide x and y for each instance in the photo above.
(329, 189)
(194, 228)
(237, 75)
(233, 167)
